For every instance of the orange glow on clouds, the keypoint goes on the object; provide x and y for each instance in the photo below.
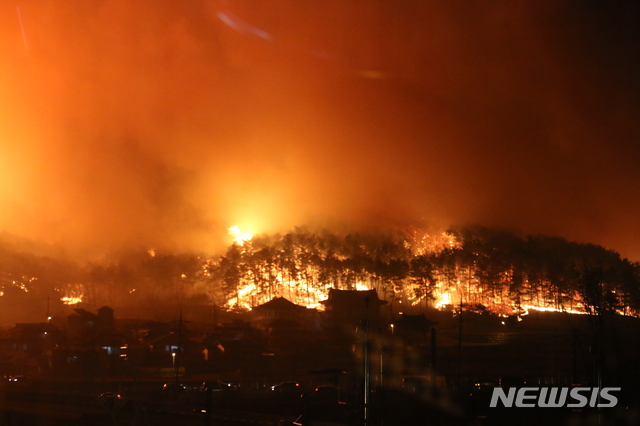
(125, 124)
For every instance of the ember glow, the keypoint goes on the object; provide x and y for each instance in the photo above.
(422, 270)
(239, 237)
(130, 125)
(302, 291)
(72, 294)
(443, 296)
(124, 124)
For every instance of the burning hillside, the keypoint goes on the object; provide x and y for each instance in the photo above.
(158, 124)
(479, 268)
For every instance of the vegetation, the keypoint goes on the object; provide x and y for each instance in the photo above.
(484, 269)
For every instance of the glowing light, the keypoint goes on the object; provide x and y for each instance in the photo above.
(241, 299)
(362, 287)
(422, 243)
(549, 309)
(443, 300)
(239, 237)
(289, 272)
(71, 300)
(72, 294)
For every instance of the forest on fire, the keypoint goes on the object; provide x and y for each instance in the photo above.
(483, 269)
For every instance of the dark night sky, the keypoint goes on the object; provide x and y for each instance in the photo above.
(163, 123)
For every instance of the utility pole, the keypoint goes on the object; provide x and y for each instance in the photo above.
(367, 372)
(178, 352)
(460, 345)
(215, 317)
(574, 356)
(382, 348)
(433, 357)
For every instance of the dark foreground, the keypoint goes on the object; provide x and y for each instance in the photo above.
(49, 403)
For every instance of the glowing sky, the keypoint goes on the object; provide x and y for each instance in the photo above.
(163, 123)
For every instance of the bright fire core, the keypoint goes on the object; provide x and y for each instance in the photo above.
(303, 272)
(412, 274)
(239, 237)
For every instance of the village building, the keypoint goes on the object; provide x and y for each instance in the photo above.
(279, 313)
(350, 307)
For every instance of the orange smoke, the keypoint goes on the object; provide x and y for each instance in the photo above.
(160, 124)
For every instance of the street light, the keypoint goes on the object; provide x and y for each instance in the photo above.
(173, 357)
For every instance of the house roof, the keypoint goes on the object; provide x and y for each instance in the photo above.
(34, 328)
(167, 338)
(415, 323)
(353, 297)
(83, 314)
(279, 304)
(86, 315)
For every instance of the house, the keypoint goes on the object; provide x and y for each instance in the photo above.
(34, 337)
(29, 348)
(167, 348)
(414, 328)
(89, 332)
(280, 313)
(86, 327)
(350, 307)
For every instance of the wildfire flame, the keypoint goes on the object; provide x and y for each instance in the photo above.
(423, 243)
(362, 287)
(450, 288)
(239, 237)
(72, 294)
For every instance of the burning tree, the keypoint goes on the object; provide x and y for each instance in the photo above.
(483, 269)
(493, 270)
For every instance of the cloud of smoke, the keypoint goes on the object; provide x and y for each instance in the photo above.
(164, 123)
